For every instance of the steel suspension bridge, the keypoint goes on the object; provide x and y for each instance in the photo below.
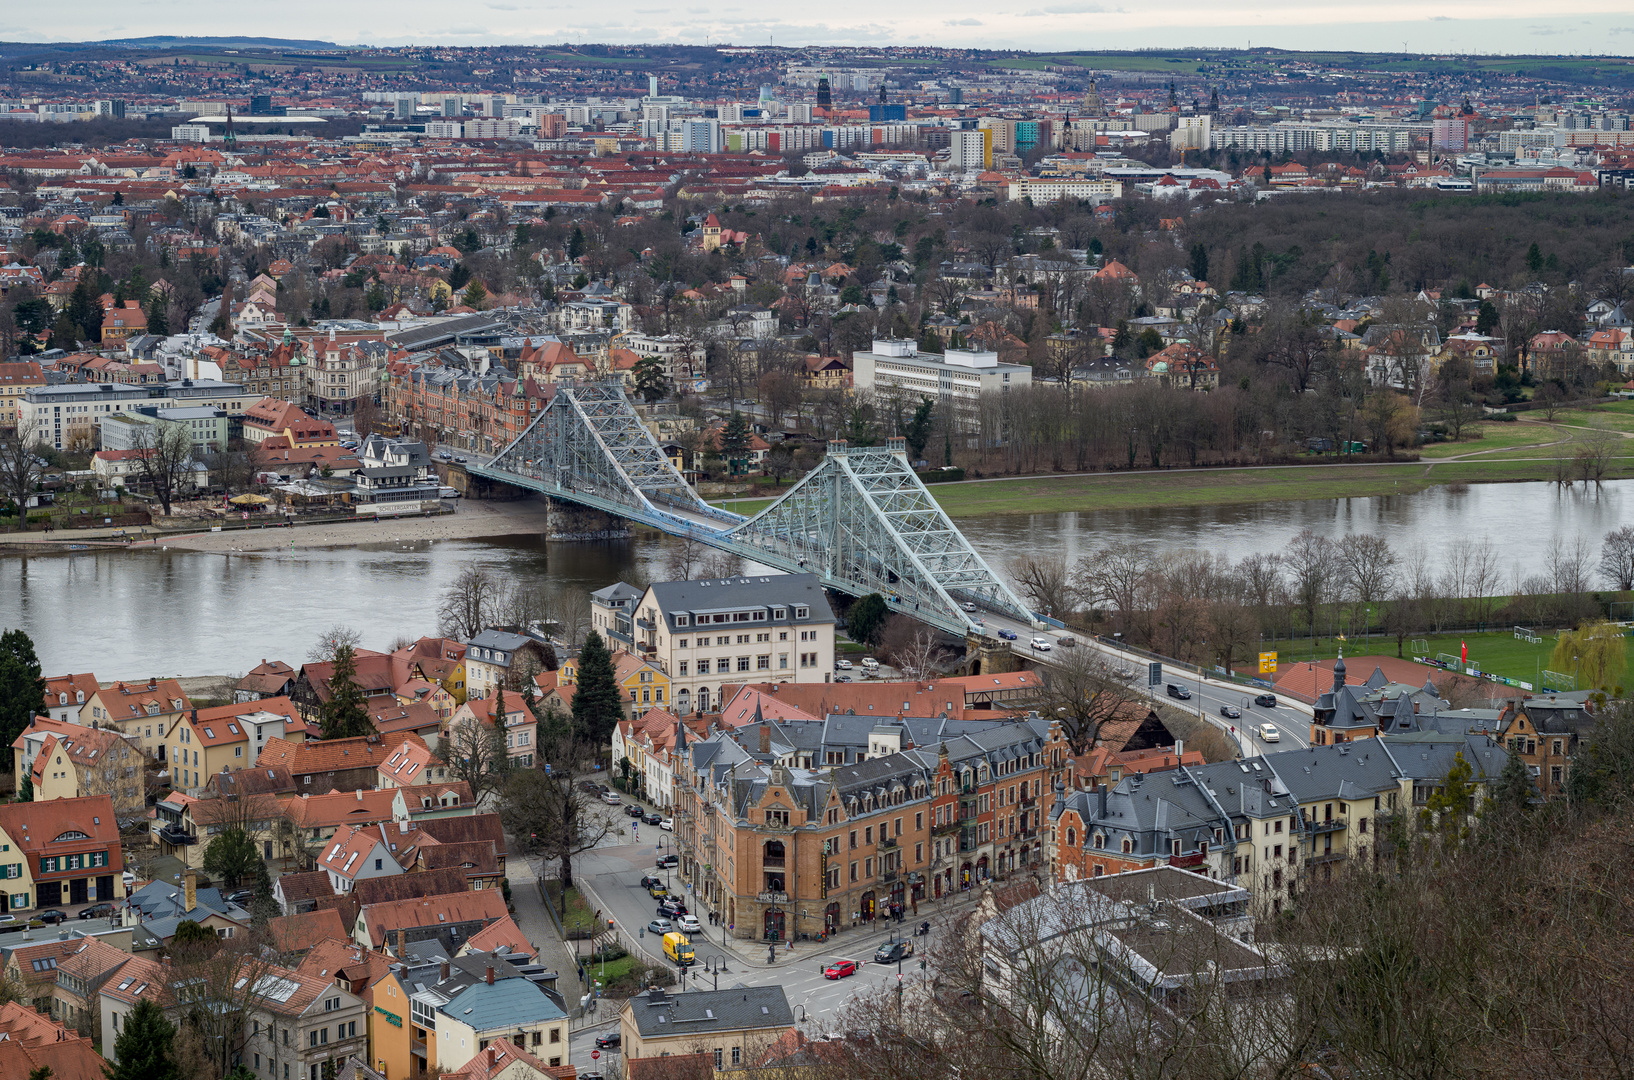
(861, 520)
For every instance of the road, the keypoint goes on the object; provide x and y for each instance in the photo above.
(612, 875)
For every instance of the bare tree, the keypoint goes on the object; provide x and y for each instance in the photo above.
(1617, 558)
(19, 464)
(720, 564)
(547, 813)
(1045, 580)
(1081, 693)
(911, 647)
(1120, 575)
(165, 461)
(471, 603)
(684, 557)
(331, 641)
(1313, 568)
(476, 753)
(1594, 455)
(1367, 565)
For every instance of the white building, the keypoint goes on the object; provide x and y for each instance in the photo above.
(957, 378)
(706, 634)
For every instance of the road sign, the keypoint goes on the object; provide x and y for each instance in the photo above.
(1268, 663)
(594, 1054)
(1154, 674)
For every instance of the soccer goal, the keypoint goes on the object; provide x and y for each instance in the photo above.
(1558, 680)
(1528, 635)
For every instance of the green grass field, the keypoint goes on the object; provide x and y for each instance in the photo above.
(1497, 653)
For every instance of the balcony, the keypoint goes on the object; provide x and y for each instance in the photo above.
(772, 863)
(1186, 862)
(1327, 826)
(176, 836)
(889, 877)
(1028, 800)
(887, 844)
(1326, 857)
(944, 830)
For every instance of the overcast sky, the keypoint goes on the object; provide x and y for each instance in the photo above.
(1502, 26)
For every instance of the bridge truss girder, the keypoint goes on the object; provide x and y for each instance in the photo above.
(866, 523)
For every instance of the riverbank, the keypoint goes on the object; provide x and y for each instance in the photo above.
(471, 519)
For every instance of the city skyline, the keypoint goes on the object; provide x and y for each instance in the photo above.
(1597, 27)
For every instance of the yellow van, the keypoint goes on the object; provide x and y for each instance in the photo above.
(678, 948)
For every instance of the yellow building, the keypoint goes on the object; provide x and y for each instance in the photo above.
(390, 1031)
(642, 684)
(141, 710)
(207, 741)
(91, 761)
(15, 379)
(58, 852)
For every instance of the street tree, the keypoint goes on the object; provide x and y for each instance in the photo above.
(345, 715)
(547, 813)
(477, 753)
(1081, 692)
(19, 464)
(1045, 581)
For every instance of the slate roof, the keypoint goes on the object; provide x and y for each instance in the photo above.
(743, 592)
(660, 1015)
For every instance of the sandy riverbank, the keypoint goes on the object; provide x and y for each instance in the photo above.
(471, 519)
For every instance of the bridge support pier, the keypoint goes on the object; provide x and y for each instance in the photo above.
(569, 521)
(989, 656)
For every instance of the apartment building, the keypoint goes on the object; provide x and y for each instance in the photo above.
(68, 414)
(62, 851)
(957, 379)
(84, 761)
(16, 379)
(705, 634)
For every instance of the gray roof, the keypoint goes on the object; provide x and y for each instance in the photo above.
(720, 595)
(702, 1012)
(1429, 755)
(1347, 771)
(618, 590)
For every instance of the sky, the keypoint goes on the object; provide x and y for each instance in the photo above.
(1431, 26)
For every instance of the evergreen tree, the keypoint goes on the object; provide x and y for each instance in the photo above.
(474, 296)
(575, 244)
(650, 381)
(263, 905)
(22, 690)
(143, 1046)
(866, 619)
(158, 321)
(597, 705)
(735, 443)
(1448, 805)
(1534, 259)
(1199, 261)
(1513, 793)
(1486, 318)
(232, 856)
(344, 715)
(917, 430)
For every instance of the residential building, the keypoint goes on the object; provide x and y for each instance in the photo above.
(735, 1027)
(957, 379)
(612, 611)
(271, 417)
(91, 761)
(705, 634)
(64, 851)
(80, 976)
(394, 925)
(268, 679)
(471, 1002)
(1547, 733)
(205, 742)
(492, 656)
(66, 697)
(355, 853)
(779, 847)
(517, 723)
(16, 378)
(67, 414)
(141, 710)
(30, 1042)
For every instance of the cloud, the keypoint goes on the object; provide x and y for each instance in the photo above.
(962, 22)
(1441, 18)
(503, 7)
(1074, 9)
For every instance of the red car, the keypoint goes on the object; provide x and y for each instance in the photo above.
(839, 969)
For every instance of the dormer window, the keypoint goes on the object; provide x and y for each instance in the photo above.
(79, 697)
(62, 699)
(682, 620)
(802, 612)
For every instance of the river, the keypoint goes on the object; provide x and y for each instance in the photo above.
(132, 614)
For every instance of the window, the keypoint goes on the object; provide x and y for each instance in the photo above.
(717, 1057)
(802, 612)
(737, 1055)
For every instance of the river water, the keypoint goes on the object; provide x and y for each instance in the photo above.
(132, 614)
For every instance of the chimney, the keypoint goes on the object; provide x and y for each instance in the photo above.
(445, 970)
(359, 794)
(190, 891)
(490, 975)
(765, 738)
(1100, 800)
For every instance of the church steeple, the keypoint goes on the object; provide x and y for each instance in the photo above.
(1339, 671)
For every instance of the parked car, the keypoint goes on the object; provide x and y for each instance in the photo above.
(689, 924)
(585, 785)
(444, 455)
(1041, 644)
(459, 461)
(670, 907)
(1231, 712)
(1007, 635)
(892, 951)
(666, 862)
(839, 969)
(242, 896)
(842, 678)
(51, 915)
(1266, 701)
(97, 911)
(609, 1041)
(1269, 733)
(634, 811)
(657, 891)
(1175, 690)
(660, 926)
(842, 665)
(870, 664)
(667, 824)
(652, 818)
(611, 798)
(648, 881)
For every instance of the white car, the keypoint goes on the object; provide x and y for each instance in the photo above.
(668, 824)
(870, 664)
(689, 924)
(842, 665)
(1041, 644)
(1269, 733)
(611, 798)
(968, 606)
